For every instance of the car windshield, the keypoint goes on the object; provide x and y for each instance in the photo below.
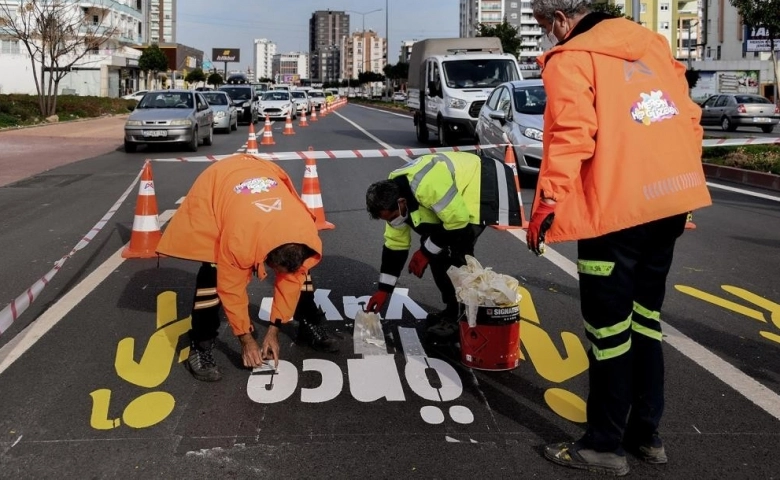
(216, 98)
(751, 99)
(238, 93)
(479, 73)
(278, 95)
(298, 94)
(167, 100)
(316, 94)
(530, 100)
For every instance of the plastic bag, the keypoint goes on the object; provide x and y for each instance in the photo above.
(477, 286)
(370, 339)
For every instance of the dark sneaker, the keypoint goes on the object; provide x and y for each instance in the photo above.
(201, 362)
(651, 452)
(314, 335)
(574, 455)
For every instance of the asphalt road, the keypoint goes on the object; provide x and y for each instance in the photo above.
(93, 384)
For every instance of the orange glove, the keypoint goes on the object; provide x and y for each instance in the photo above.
(418, 263)
(377, 301)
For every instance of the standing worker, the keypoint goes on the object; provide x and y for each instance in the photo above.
(621, 167)
(448, 199)
(243, 213)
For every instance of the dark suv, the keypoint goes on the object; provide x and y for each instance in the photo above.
(247, 102)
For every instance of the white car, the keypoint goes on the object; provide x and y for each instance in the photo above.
(399, 97)
(301, 100)
(277, 104)
(137, 96)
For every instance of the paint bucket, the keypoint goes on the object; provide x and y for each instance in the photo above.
(494, 342)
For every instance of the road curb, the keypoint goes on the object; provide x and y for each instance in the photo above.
(750, 178)
(64, 122)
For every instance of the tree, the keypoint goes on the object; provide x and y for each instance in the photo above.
(506, 32)
(195, 76)
(692, 76)
(153, 60)
(57, 35)
(215, 79)
(610, 9)
(763, 14)
(266, 80)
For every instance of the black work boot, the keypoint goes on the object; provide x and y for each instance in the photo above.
(313, 334)
(201, 362)
(448, 315)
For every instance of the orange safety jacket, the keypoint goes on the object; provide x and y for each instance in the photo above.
(622, 140)
(237, 211)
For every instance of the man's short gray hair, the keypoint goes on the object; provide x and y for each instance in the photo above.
(571, 8)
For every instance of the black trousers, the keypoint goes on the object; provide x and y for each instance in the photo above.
(453, 256)
(205, 305)
(622, 287)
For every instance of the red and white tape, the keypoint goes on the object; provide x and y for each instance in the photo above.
(411, 152)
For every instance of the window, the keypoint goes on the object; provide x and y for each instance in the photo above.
(665, 25)
(709, 52)
(664, 7)
(513, 5)
(10, 47)
(642, 8)
(505, 101)
(95, 20)
(710, 101)
(722, 101)
(717, 53)
(513, 16)
(493, 100)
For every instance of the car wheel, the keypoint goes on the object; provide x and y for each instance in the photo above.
(768, 128)
(234, 126)
(192, 146)
(444, 139)
(130, 147)
(726, 125)
(421, 129)
(209, 140)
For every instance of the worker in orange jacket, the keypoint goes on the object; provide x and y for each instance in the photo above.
(621, 167)
(243, 213)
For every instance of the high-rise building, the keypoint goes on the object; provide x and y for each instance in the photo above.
(159, 20)
(406, 51)
(326, 30)
(262, 58)
(362, 52)
(290, 67)
(492, 13)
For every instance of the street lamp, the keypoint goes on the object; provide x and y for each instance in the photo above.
(363, 14)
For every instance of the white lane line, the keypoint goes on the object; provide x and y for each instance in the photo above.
(384, 111)
(745, 385)
(744, 192)
(371, 136)
(17, 346)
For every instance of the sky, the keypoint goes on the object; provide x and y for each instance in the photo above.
(207, 24)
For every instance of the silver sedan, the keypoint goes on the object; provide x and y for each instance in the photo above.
(514, 114)
(732, 110)
(225, 111)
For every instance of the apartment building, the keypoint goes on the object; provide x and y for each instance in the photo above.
(406, 51)
(159, 20)
(492, 12)
(362, 52)
(262, 58)
(290, 67)
(109, 69)
(326, 30)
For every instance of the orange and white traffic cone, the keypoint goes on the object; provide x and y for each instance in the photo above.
(511, 162)
(251, 144)
(288, 128)
(146, 226)
(324, 110)
(689, 225)
(268, 135)
(313, 113)
(302, 122)
(312, 197)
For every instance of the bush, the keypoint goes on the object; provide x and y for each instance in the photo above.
(18, 110)
(760, 158)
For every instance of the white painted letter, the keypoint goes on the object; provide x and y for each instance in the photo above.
(273, 387)
(373, 378)
(451, 386)
(322, 300)
(398, 301)
(332, 381)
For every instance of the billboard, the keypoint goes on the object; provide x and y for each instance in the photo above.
(225, 55)
(290, 78)
(757, 40)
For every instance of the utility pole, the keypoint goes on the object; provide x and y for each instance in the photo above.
(635, 10)
(387, 44)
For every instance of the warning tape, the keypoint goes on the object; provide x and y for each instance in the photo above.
(14, 310)
(398, 152)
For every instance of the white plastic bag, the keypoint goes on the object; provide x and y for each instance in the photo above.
(477, 286)
(368, 334)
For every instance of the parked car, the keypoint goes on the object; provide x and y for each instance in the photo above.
(277, 104)
(170, 116)
(225, 111)
(137, 96)
(733, 110)
(301, 100)
(514, 113)
(317, 98)
(399, 97)
(246, 99)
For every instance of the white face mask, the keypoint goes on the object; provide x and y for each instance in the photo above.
(400, 219)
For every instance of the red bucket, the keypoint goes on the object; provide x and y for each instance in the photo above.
(494, 343)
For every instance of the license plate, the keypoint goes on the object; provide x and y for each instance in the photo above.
(155, 133)
(762, 119)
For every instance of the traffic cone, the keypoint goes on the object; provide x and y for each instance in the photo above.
(288, 128)
(268, 135)
(146, 227)
(510, 160)
(251, 144)
(324, 109)
(312, 197)
(302, 122)
(313, 113)
(689, 225)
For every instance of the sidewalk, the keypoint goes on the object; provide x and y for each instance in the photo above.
(28, 151)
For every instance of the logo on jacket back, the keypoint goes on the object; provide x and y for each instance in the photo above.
(653, 107)
(255, 185)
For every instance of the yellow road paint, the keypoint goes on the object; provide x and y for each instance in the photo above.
(566, 404)
(770, 336)
(547, 361)
(527, 308)
(774, 308)
(721, 302)
(185, 352)
(99, 418)
(149, 409)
